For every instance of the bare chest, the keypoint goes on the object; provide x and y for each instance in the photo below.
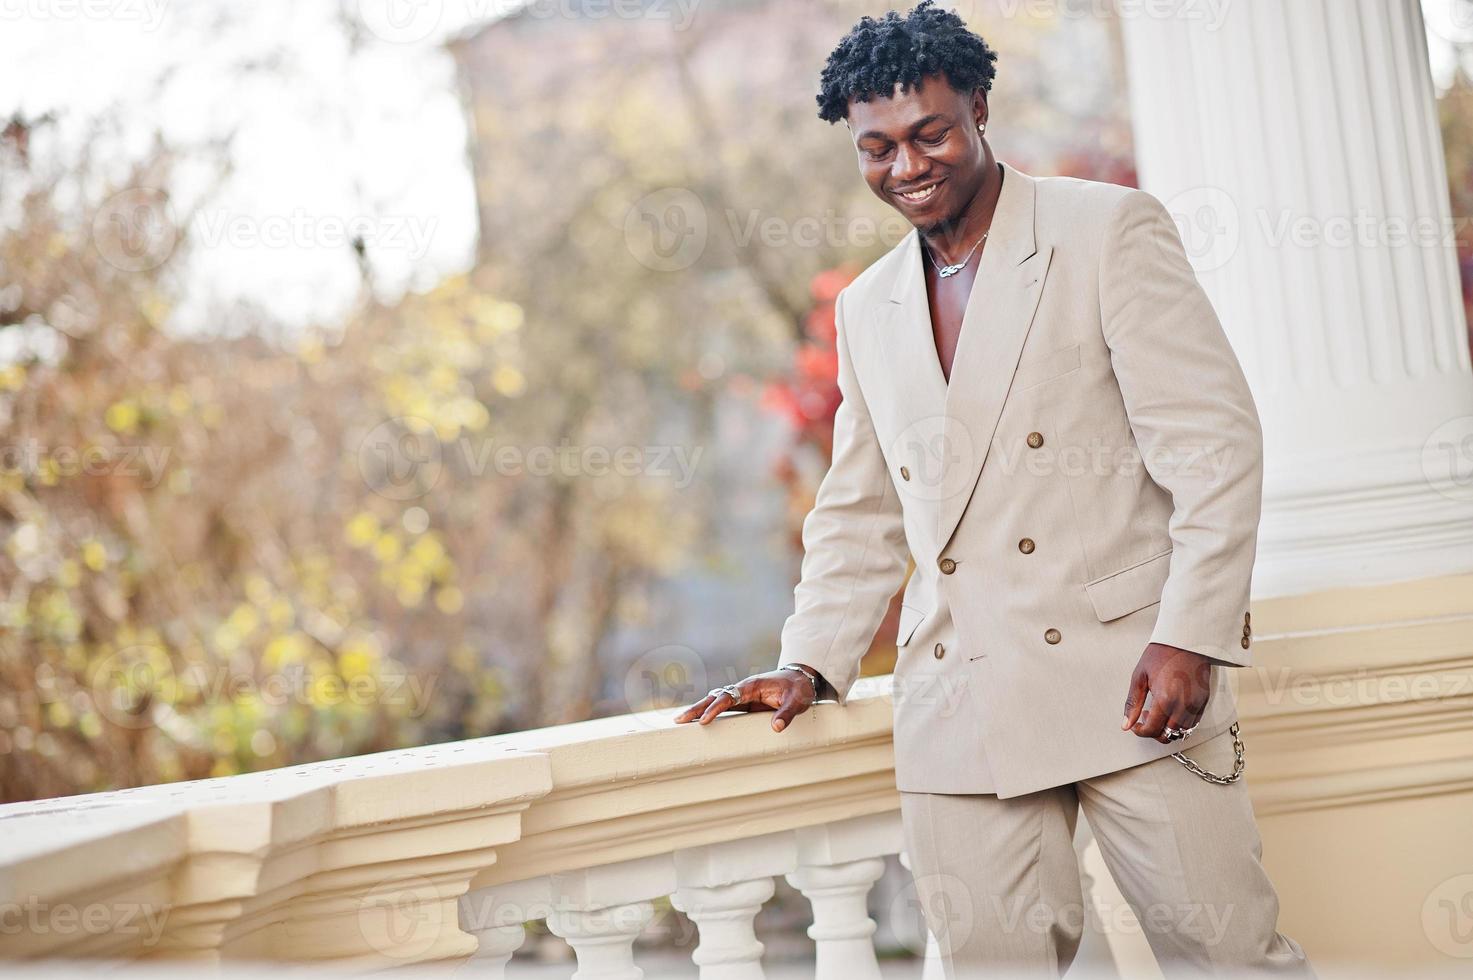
(947, 299)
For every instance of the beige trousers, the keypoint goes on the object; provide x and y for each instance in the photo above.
(998, 883)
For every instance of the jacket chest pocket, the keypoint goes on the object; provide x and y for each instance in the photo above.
(1135, 587)
(1035, 369)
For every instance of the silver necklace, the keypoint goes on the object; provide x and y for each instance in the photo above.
(945, 271)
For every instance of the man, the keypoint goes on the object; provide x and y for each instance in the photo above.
(1041, 407)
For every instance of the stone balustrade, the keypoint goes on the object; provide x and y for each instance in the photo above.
(443, 853)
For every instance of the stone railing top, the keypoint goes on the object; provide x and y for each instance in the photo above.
(227, 855)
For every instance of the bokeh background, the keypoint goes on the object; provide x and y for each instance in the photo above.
(374, 376)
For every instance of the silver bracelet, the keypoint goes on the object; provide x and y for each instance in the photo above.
(811, 679)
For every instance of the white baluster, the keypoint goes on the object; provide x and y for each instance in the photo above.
(729, 949)
(931, 968)
(603, 938)
(841, 926)
(495, 916)
(1114, 942)
(498, 943)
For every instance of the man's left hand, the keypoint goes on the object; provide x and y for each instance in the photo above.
(1180, 683)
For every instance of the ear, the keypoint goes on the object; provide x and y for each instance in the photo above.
(979, 106)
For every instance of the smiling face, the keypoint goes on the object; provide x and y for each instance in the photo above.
(920, 151)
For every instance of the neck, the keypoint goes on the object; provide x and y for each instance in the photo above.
(949, 240)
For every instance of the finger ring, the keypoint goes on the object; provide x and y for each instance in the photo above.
(715, 692)
(734, 691)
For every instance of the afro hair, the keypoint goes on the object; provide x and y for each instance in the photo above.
(877, 55)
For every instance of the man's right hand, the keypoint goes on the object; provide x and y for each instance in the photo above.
(786, 692)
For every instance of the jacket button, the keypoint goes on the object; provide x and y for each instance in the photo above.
(1247, 630)
(1247, 619)
(1026, 546)
(904, 473)
(947, 566)
(1035, 439)
(1246, 641)
(1052, 636)
(939, 652)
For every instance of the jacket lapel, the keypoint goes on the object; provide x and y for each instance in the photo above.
(999, 313)
(908, 348)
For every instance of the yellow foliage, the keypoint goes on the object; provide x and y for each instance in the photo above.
(59, 715)
(94, 555)
(122, 417)
(362, 530)
(449, 600)
(387, 546)
(244, 619)
(68, 574)
(179, 400)
(280, 613)
(284, 650)
(355, 661)
(508, 381)
(311, 351)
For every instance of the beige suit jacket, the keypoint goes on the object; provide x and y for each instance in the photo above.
(1089, 482)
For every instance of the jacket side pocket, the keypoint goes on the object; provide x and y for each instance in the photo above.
(910, 618)
(1134, 587)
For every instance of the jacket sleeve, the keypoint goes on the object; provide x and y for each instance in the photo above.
(854, 548)
(1194, 422)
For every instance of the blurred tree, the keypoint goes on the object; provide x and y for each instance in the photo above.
(224, 550)
(194, 578)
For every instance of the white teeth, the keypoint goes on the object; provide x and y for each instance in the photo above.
(920, 195)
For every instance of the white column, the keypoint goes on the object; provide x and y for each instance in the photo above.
(1297, 144)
